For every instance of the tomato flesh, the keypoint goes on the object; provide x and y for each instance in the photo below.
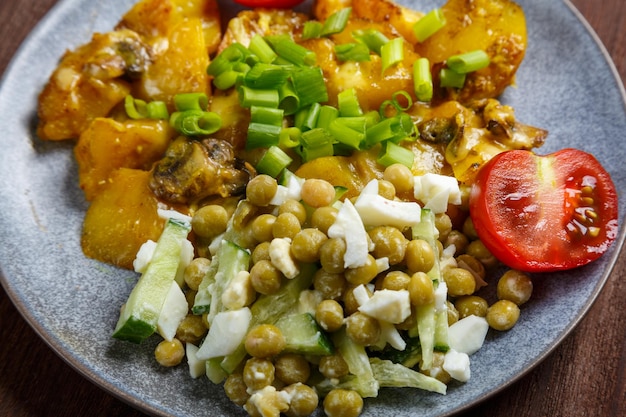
(270, 4)
(544, 213)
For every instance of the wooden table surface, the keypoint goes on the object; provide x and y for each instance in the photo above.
(584, 376)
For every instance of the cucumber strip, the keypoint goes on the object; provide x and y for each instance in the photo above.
(268, 309)
(303, 335)
(425, 315)
(139, 316)
(358, 362)
(389, 374)
(228, 262)
(442, 343)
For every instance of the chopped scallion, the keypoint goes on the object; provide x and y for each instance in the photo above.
(345, 134)
(336, 22)
(357, 52)
(262, 49)
(267, 115)
(273, 162)
(312, 29)
(468, 62)
(191, 101)
(195, 122)
(348, 103)
(402, 100)
(135, 108)
(392, 53)
(266, 76)
(422, 80)
(157, 110)
(326, 115)
(226, 79)
(249, 97)
(310, 85)
(287, 49)
(430, 23)
(450, 78)
(308, 116)
(262, 135)
(289, 137)
(395, 154)
(372, 38)
(289, 101)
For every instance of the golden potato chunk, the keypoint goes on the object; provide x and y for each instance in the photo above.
(121, 218)
(108, 145)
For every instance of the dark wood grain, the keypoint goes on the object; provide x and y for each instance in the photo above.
(584, 376)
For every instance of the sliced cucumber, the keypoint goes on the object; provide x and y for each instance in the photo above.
(139, 317)
(303, 335)
(230, 260)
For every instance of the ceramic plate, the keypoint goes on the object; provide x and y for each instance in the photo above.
(565, 85)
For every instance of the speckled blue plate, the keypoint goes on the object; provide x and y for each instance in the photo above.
(566, 85)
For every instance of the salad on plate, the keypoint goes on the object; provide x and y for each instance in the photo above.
(315, 203)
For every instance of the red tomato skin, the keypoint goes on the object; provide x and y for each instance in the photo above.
(270, 4)
(522, 205)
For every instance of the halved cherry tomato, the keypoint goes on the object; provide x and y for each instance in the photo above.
(544, 213)
(270, 4)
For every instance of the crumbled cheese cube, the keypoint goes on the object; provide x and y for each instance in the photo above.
(239, 292)
(388, 305)
(376, 210)
(457, 364)
(441, 295)
(172, 313)
(280, 257)
(196, 366)
(227, 332)
(173, 214)
(391, 335)
(144, 256)
(267, 402)
(349, 226)
(468, 334)
(436, 191)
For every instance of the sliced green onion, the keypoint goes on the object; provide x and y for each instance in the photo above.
(263, 98)
(315, 137)
(429, 24)
(287, 49)
(135, 108)
(262, 49)
(345, 134)
(392, 53)
(273, 162)
(450, 78)
(309, 154)
(310, 85)
(358, 123)
(316, 143)
(387, 109)
(395, 154)
(235, 52)
(336, 22)
(326, 115)
(289, 101)
(226, 79)
(348, 103)
(195, 122)
(191, 101)
(357, 52)
(406, 98)
(372, 38)
(468, 62)
(422, 80)
(289, 137)
(266, 76)
(267, 115)
(312, 29)
(386, 129)
(408, 127)
(157, 110)
(307, 119)
(262, 135)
